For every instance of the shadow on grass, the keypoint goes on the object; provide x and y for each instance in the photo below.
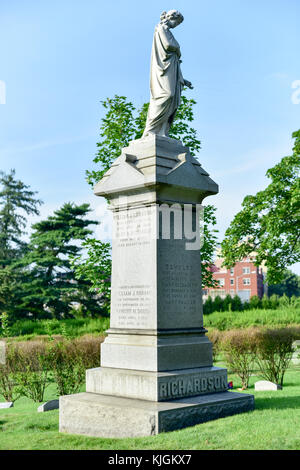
(2, 424)
(277, 403)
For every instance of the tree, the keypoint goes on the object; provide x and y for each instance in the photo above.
(16, 199)
(123, 123)
(269, 222)
(16, 202)
(290, 285)
(95, 267)
(50, 287)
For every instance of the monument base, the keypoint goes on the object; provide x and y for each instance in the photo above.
(156, 386)
(96, 415)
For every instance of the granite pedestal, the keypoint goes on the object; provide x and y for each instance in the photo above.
(156, 369)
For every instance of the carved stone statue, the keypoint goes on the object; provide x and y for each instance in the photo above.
(166, 80)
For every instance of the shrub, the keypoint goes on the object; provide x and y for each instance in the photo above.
(284, 301)
(68, 360)
(215, 336)
(274, 301)
(67, 368)
(227, 303)
(208, 306)
(7, 378)
(239, 347)
(266, 302)
(255, 302)
(274, 353)
(218, 304)
(31, 369)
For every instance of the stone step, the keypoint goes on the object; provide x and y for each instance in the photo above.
(98, 415)
(156, 386)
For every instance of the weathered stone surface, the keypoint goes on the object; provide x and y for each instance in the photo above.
(97, 415)
(7, 404)
(296, 353)
(157, 159)
(156, 386)
(156, 353)
(265, 385)
(2, 352)
(156, 362)
(48, 406)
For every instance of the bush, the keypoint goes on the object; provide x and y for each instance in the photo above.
(217, 304)
(274, 353)
(30, 365)
(8, 386)
(67, 367)
(239, 347)
(208, 306)
(31, 369)
(255, 302)
(68, 360)
(215, 336)
(237, 304)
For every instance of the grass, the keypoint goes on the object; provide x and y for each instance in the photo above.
(260, 317)
(273, 425)
(28, 329)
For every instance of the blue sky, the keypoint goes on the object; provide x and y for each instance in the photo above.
(59, 59)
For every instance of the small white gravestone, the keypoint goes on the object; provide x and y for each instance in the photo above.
(7, 404)
(48, 406)
(265, 385)
(2, 352)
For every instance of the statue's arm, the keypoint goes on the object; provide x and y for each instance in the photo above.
(188, 84)
(168, 41)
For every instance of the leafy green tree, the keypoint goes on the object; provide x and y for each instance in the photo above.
(16, 202)
(290, 285)
(50, 288)
(269, 222)
(95, 267)
(122, 123)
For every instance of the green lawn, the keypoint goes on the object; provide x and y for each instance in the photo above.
(275, 424)
(28, 329)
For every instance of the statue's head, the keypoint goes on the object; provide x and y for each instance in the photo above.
(172, 18)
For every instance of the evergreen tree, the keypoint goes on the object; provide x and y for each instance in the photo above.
(16, 202)
(50, 288)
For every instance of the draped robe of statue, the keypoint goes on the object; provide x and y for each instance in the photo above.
(166, 81)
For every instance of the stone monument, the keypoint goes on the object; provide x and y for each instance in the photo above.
(156, 371)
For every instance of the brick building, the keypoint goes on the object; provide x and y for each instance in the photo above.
(244, 279)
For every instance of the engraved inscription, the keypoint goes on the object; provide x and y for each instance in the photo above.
(192, 386)
(180, 288)
(134, 227)
(133, 305)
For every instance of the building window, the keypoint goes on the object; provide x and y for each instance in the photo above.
(222, 281)
(231, 282)
(205, 291)
(246, 270)
(231, 271)
(246, 281)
